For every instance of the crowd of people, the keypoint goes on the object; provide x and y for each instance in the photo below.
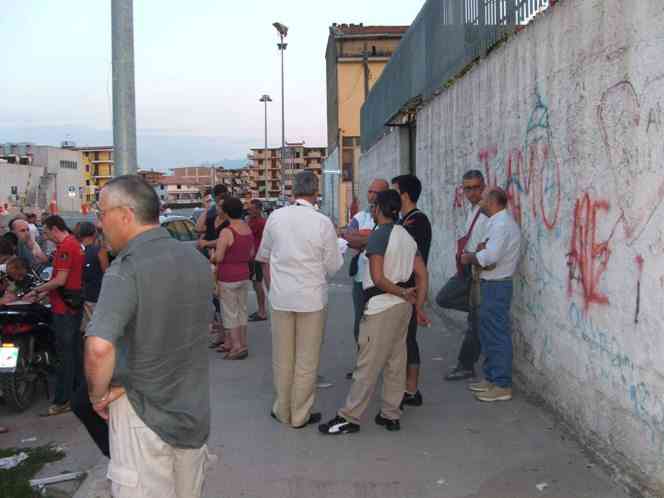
(147, 330)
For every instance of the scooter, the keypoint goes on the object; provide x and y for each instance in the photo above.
(27, 352)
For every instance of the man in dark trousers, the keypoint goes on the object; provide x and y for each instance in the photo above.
(461, 292)
(65, 295)
(418, 226)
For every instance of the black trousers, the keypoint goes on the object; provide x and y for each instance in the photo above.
(97, 427)
(412, 348)
(358, 307)
(456, 295)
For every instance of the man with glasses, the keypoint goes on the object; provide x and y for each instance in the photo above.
(159, 409)
(461, 291)
(357, 235)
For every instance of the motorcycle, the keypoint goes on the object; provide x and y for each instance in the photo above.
(27, 350)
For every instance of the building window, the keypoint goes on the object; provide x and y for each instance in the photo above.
(179, 187)
(69, 164)
(87, 183)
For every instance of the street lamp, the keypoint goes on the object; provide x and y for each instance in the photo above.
(283, 32)
(265, 99)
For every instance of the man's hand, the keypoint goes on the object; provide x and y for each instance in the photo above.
(410, 295)
(102, 406)
(422, 318)
(481, 246)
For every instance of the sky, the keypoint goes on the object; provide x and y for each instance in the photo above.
(201, 67)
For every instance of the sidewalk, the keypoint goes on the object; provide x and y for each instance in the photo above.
(451, 447)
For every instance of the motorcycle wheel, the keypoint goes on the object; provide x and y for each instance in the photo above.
(19, 387)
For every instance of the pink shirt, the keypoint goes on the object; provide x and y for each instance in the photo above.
(235, 265)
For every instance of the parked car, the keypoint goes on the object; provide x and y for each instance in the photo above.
(180, 228)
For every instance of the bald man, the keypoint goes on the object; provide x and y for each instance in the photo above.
(357, 235)
(497, 259)
(27, 248)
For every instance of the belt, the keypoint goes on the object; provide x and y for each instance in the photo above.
(505, 279)
(375, 291)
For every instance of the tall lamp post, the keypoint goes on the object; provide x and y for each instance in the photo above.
(283, 32)
(265, 99)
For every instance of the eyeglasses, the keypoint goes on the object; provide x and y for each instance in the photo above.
(373, 191)
(472, 188)
(103, 212)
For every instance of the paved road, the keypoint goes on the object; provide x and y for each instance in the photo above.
(451, 447)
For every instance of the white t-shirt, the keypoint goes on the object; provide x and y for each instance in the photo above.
(362, 221)
(399, 250)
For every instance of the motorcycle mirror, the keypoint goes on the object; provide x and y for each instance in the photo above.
(46, 274)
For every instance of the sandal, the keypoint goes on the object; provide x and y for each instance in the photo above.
(238, 355)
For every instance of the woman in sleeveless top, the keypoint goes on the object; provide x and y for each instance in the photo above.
(235, 249)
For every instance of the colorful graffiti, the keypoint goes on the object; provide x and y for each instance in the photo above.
(532, 172)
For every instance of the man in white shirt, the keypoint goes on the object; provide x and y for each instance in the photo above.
(456, 294)
(357, 235)
(498, 258)
(299, 251)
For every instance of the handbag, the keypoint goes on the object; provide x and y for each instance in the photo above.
(73, 298)
(461, 245)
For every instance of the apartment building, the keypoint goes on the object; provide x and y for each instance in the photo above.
(97, 170)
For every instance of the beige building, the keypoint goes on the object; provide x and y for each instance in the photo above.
(40, 176)
(271, 179)
(355, 58)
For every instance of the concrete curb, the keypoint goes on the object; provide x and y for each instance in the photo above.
(95, 484)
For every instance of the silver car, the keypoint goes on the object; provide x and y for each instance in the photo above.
(180, 228)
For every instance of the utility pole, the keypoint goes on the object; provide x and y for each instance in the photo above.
(124, 95)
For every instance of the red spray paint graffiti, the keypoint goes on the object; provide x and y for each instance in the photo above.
(539, 179)
(587, 259)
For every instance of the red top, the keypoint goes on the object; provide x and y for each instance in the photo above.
(235, 265)
(69, 256)
(257, 226)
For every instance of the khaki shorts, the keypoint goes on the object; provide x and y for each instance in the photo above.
(144, 466)
(233, 298)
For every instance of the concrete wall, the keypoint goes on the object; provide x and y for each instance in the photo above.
(61, 177)
(330, 186)
(568, 116)
(387, 159)
(25, 177)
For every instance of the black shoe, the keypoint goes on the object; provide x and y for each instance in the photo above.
(411, 399)
(338, 425)
(390, 425)
(460, 373)
(349, 375)
(314, 418)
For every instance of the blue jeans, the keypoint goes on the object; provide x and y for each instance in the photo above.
(69, 348)
(495, 331)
